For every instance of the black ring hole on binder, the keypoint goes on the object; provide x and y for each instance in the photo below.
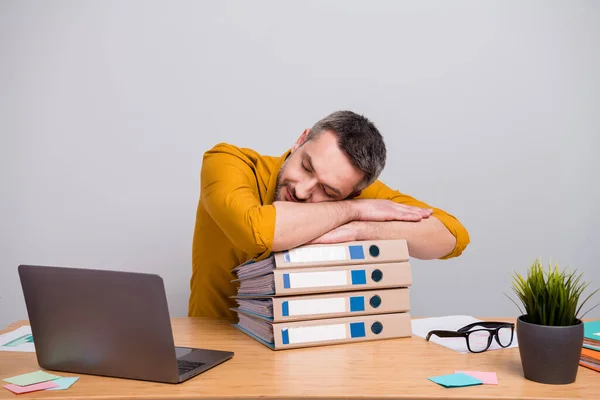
(375, 301)
(377, 327)
(377, 275)
(374, 251)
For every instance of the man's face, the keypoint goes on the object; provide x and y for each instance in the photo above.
(317, 171)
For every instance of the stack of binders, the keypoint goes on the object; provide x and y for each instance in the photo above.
(317, 295)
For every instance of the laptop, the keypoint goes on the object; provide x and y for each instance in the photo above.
(107, 323)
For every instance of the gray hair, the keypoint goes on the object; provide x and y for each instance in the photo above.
(359, 139)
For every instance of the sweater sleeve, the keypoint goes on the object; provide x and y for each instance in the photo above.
(230, 195)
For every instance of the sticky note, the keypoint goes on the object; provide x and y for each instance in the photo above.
(488, 378)
(31, 378)
(31, 388)
(64, 383)
(455, 380)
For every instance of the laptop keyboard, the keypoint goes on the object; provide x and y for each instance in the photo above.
(187, 366)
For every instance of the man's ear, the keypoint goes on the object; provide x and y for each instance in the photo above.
(301, 140)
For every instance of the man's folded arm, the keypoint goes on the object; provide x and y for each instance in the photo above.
(439, 236)
(230, 195)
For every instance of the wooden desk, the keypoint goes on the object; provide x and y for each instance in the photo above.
(388, 369)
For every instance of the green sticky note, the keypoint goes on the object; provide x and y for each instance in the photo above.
(455, 380)
(31, 378)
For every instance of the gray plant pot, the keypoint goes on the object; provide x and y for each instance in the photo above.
(550, 354)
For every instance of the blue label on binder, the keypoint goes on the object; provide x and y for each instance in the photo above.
(285, 309)
(286, 281)
(359, 277)
(357, 303)
(285, 337)
(356, 253)
(286, 256)
(357, 329)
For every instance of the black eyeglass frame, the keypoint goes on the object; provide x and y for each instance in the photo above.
(492, 327)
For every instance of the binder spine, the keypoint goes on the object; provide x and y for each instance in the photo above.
(324, 253)
(335, 305)
(340, 304)
(300, 335)
(341, 330)
(350, 253)
(342, 278)
(298, 280)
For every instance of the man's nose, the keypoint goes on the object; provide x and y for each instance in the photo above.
(305, 189)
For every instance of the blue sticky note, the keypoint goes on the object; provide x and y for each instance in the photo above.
(455, 380)
(64, 383)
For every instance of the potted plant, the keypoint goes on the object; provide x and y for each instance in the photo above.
(549, 329)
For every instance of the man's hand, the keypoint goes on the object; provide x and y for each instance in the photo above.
(299, 223)
(427, 239)
(387, 210)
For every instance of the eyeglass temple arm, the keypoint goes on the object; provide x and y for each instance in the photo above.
(442, 333)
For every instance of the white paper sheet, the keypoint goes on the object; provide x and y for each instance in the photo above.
(421, 327)
(17, 340)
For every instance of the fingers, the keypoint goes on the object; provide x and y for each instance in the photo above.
(423, 212)
(409, 217)
(426, 212)
(388, 210)
(411, 213)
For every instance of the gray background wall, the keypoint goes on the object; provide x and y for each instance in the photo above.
(489, 108)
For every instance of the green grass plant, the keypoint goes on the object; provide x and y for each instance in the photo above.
(550, 297)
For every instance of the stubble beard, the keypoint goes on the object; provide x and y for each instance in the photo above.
(278, 184)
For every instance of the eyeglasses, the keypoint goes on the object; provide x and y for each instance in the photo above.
(479, 340)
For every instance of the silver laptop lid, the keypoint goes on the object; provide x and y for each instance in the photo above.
(100, 322)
